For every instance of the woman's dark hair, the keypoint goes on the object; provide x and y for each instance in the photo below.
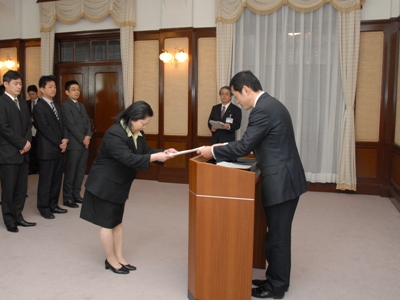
(245, 78)
(136, 111)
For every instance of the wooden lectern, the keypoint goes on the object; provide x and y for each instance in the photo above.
(226, 231)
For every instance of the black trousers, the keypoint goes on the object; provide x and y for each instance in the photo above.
(278, 245)
(33, 156)
(74, 174)
(49, 186)
(14, 185)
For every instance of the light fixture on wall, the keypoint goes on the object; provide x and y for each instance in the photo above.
(8, 63)
(179, 56)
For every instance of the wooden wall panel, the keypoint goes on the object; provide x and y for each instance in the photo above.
(397, 119)
(176, 82)
(10, 52)
(146, 82)
(369, 85)
(32, 67)
(366, 162)
(207, 83)
(396, 169)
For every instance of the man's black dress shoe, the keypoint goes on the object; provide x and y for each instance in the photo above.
(258, 282)
(71, 204)
(47, 215)
(129, 267)
(260, 292)
(12, 228)
(59, 210)
(24, 223)
(79, 200)
(121, 270)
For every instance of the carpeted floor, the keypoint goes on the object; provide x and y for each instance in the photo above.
(344, 247)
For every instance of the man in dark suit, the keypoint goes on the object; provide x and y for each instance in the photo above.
(15, 137)
(52, 143)
(79, 133)
(270, 136)
(227, 113)
(33, 157)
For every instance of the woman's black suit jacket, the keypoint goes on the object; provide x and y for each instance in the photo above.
(116, 164)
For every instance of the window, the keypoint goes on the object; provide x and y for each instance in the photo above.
(94, 50)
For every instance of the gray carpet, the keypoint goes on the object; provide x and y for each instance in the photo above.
(344, 247)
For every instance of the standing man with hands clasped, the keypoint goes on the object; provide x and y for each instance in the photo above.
(15, 137)
(52, 143)
(227, 113)
(79, 134)
(270, 136)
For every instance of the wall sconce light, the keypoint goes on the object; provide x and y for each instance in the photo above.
(8, 63)
(179, 56)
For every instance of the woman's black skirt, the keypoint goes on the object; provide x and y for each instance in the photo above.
(101, 212)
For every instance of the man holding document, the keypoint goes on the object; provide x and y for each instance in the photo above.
(270, 136)
(225, 118)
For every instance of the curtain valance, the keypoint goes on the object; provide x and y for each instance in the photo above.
(123, 12)
(229, 11)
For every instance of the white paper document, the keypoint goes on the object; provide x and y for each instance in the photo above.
(185, 151)
(235, 165)
(216, 124)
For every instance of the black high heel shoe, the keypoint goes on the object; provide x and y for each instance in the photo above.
(121, 270)
(128, 267)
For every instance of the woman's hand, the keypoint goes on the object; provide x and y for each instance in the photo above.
(162, 156)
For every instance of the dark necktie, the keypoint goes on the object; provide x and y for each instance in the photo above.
(54, 110)
(77, 105)
(222, 111)
(16, 102)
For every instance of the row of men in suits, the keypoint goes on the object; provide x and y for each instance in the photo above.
(57, 129)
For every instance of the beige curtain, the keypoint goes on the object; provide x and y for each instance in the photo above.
(123, 13)
(47, 52)
(229, 11)
(224, 54)
(127, 57)
(349, 28)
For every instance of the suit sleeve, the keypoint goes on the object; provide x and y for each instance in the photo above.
(210, 118)
(42, 123)
(6, 130)
(257, 130)
(68, 118)
(237, 118)
(116, 145)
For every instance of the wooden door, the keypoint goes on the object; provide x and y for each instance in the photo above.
(101, 93)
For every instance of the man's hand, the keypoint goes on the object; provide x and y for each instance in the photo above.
(26, 148)
(86, 141)
(205, 151)
(63, 145)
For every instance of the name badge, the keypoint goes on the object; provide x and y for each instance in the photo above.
(229, 120)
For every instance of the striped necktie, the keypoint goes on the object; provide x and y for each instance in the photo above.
(222, 111)
(54, 110)
(16, 102)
